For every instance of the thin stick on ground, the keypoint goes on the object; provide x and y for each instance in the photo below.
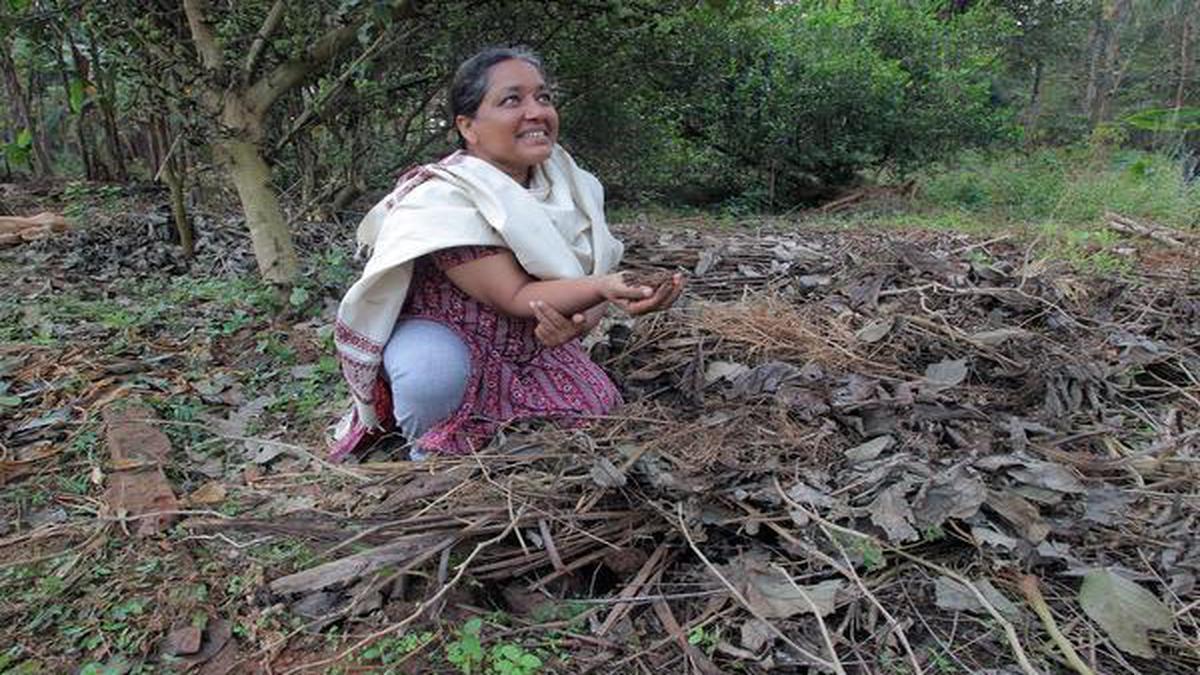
(420, 609)
(1010, 632)
(847, 571)
(837, 664)
(1028, 585)
(742, 599)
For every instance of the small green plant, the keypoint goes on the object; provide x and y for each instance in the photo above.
(705, 639)
(394, 649)
(942, 663)
(512, 659)
(872, 555)
(466, 652)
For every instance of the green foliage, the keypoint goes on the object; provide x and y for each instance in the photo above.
(466, 652)
(84, 200)
(390, 650)
(511, 659)
(773, 103)
(1165, 119)
(705, 638)
(76, 93)
(1075, 185)
(19, 151)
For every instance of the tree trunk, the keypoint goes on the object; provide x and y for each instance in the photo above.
(174, 180)
(83, 134)
(1185, 53)
(107, 88)
(273, 249)
(1034, 111)
(240, 100)
(1103, 53)
(22, 118)
(172, 170)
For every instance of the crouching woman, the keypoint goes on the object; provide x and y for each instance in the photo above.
(486, 267)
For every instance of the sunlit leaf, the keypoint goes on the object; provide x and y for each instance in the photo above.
(76, 93)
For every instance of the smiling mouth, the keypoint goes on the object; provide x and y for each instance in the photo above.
(535, 134)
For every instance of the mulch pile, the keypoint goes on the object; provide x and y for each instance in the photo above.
(853, 452)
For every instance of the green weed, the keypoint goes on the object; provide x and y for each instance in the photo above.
(705, 639)
(466, 652)
(390, 650)
(512, 659)
(84, 201)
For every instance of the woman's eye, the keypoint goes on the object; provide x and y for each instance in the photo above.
(509, 100)
(547, 99)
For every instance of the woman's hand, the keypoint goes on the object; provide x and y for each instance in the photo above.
(661, 298)
(614, 288)
(554, 329)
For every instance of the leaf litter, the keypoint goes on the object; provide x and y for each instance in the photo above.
(840, 449)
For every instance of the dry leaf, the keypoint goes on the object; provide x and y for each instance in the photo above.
(952, 595)
(995, 338)
(771, 594)
(945, 374)
(756, 634)
(891, 512)
(1125, 610)
(1048, 475)
(958, 494)
(212, 492)
(606, 475)
(869, 450)
(724, 370)
(876, 330)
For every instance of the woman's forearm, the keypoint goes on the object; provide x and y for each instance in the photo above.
(567, 296)
(498, 281)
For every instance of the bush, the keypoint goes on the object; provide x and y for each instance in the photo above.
(789, 100)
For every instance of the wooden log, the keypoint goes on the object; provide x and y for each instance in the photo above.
(352, 567)
(138, 488)
(1163, 235)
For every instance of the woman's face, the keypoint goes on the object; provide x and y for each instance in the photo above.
(516, 125)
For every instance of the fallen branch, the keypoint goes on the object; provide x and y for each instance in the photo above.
(1028, 585)
(416, 613)
(1162, 235)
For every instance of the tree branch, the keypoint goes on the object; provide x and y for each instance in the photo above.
(318, 106)
(270, 25)
(207, 45)
(271, 86)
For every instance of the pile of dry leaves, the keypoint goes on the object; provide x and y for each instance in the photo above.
(846, 451)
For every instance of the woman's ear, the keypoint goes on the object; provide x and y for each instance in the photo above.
(465, 129)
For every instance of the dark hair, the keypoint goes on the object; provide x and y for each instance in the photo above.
(471, 79)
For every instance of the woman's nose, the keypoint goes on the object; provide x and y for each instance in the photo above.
(535, 109)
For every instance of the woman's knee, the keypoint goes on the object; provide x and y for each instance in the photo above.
(428, 366)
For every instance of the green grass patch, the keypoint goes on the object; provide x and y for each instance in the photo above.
(1074, 186)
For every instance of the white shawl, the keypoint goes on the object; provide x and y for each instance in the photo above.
(556, 229)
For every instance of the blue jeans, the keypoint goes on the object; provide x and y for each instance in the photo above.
(427, 366)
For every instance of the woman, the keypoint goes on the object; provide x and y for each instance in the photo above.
(459, 324)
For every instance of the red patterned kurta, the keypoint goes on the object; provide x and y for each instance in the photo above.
(513, 375)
